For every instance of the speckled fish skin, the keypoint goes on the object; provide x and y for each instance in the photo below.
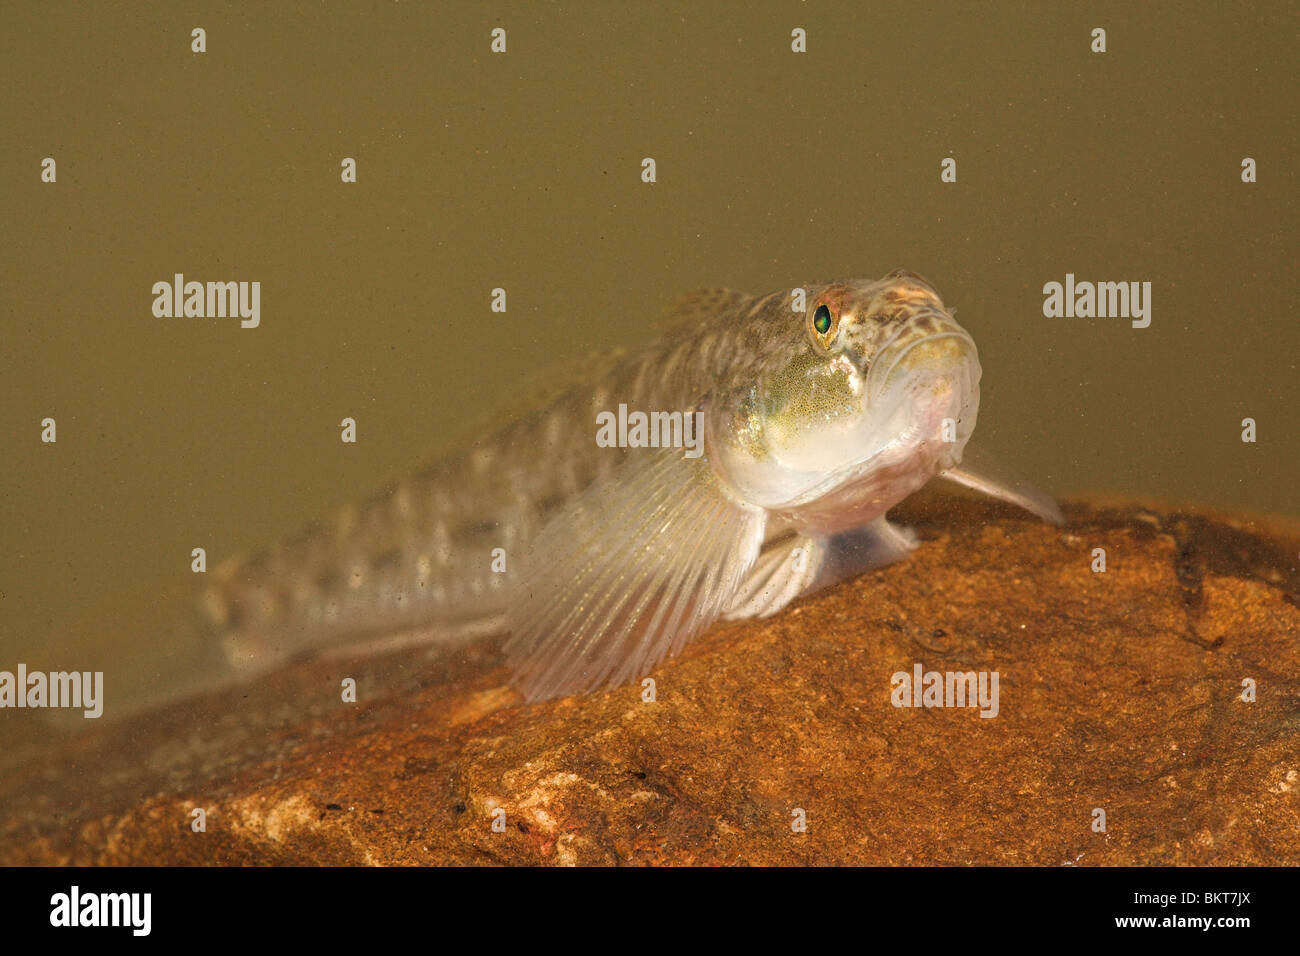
(419, 555)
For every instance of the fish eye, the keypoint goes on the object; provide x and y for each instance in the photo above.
(822, 320)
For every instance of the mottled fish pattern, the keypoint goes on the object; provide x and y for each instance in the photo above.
(606, 572)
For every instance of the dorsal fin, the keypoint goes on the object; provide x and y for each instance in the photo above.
(704, 305)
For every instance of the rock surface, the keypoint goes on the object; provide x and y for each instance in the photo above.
(1119, 691)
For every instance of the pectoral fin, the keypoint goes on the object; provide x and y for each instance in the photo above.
(985, 474)
(635, 567)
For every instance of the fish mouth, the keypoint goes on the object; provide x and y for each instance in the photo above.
(925, 392)
(922, 396)
(936, 354)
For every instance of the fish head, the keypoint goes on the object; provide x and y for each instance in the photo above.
(868, 394)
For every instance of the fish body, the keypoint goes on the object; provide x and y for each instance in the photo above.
(819, 408)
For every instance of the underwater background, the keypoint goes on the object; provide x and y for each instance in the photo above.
(522, 170)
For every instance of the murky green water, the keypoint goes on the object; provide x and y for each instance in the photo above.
(523, 171)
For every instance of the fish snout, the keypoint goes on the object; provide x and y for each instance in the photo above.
(930, 381)
(948, 355)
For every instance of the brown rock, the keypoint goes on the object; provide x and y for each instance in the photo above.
(1119, 691)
